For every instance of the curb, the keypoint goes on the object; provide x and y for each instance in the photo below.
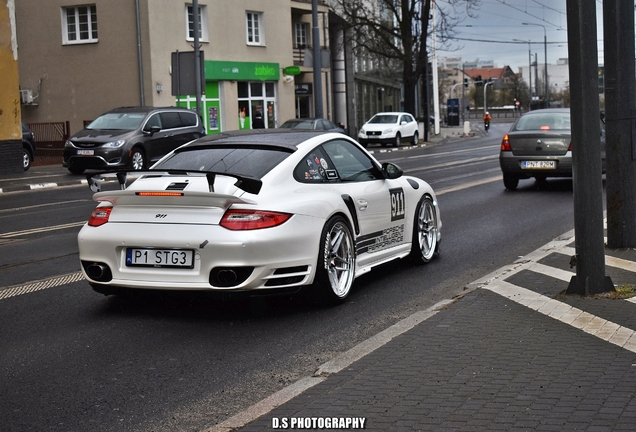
(37, 186)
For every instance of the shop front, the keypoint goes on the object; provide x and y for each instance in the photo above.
(238, 95)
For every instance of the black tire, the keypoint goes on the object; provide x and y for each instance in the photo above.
(76, 170)
(398, 140)
(510, 181)
(137, 159)
(26, 159)
(336, 266)
(416, 138)
(425, 230)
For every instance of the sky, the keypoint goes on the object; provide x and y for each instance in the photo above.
(497, 33)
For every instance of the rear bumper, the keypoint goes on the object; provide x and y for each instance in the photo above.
(511, 164)
(280, 257)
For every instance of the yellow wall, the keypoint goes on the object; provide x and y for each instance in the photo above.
(10, 128)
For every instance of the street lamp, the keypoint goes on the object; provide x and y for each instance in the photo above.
(529, 71)
(545, 47)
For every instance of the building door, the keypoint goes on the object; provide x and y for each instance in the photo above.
(257, 103)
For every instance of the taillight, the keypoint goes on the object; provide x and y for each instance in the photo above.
(570, 147)
(99, 216)
(505, 143)
(252, 219)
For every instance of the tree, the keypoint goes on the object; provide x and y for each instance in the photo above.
(515, 89)
(394, 34)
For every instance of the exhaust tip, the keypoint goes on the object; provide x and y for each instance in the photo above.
(97, 271)
(226, 277)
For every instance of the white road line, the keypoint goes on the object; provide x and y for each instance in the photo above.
(553, 272)
(609, 260)
(331, 367)
(40, 230)
(591, 324)
(453, 163)
(14, 209)
(468, 185)
(30, 287)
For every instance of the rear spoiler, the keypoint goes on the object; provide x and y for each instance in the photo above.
(95, 181)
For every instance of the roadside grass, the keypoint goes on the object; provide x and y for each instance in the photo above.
(620, 292)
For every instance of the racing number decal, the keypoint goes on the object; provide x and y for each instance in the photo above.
(398, 207)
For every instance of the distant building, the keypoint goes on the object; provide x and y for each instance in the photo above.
(558, 77)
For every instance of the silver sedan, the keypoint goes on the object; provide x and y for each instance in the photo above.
(539, 144)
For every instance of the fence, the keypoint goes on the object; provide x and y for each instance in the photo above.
(50, 138)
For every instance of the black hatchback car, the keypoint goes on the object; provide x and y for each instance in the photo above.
(131, 137)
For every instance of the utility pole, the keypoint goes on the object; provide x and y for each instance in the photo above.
(197, 55)
(618, 25)
(586, 155)
(317, 60)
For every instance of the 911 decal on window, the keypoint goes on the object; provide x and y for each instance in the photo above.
(398, 206)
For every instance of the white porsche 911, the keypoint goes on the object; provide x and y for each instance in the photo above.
(257, 210)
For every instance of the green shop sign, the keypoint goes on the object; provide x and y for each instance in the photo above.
(241, 71)
(292, 70)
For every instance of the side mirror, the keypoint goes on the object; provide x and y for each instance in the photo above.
(391, 171)
(153, 130)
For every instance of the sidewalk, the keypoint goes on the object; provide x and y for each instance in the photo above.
(513, 353)
(39, 177)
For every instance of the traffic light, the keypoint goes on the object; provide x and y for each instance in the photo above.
(478, 81)
(466, 82)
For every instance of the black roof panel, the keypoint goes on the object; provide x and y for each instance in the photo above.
(288, 138)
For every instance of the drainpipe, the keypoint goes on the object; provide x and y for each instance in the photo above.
(142, 97)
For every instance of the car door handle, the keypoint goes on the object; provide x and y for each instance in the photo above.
(362, 204)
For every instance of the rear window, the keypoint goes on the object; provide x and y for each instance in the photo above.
(244, 161)
(188, 119)
(543, 121)
(307, 124)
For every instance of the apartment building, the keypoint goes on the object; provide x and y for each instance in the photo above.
(78, 59)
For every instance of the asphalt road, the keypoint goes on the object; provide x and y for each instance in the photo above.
(73, 360)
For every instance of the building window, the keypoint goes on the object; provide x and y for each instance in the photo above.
(255, 34)
(302, 30)
(203, 23)
(257, 105)
(79, 24)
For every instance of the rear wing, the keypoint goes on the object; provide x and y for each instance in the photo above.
(125, 177)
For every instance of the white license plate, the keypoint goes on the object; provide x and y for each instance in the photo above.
(86, 152)
(538, 164)
(180, 258)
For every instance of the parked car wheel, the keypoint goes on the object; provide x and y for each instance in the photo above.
(137, 159)
(398, 140)
(336, 262)
(416, 138)
(510, 181)
(26, 159)
(425, 229)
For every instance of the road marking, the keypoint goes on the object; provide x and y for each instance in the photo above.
(40, 230)
(30, 287)
(336, 365)
(454, 163)
(43, 205)
(577, 318)
(596, 326)
(468, 185)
